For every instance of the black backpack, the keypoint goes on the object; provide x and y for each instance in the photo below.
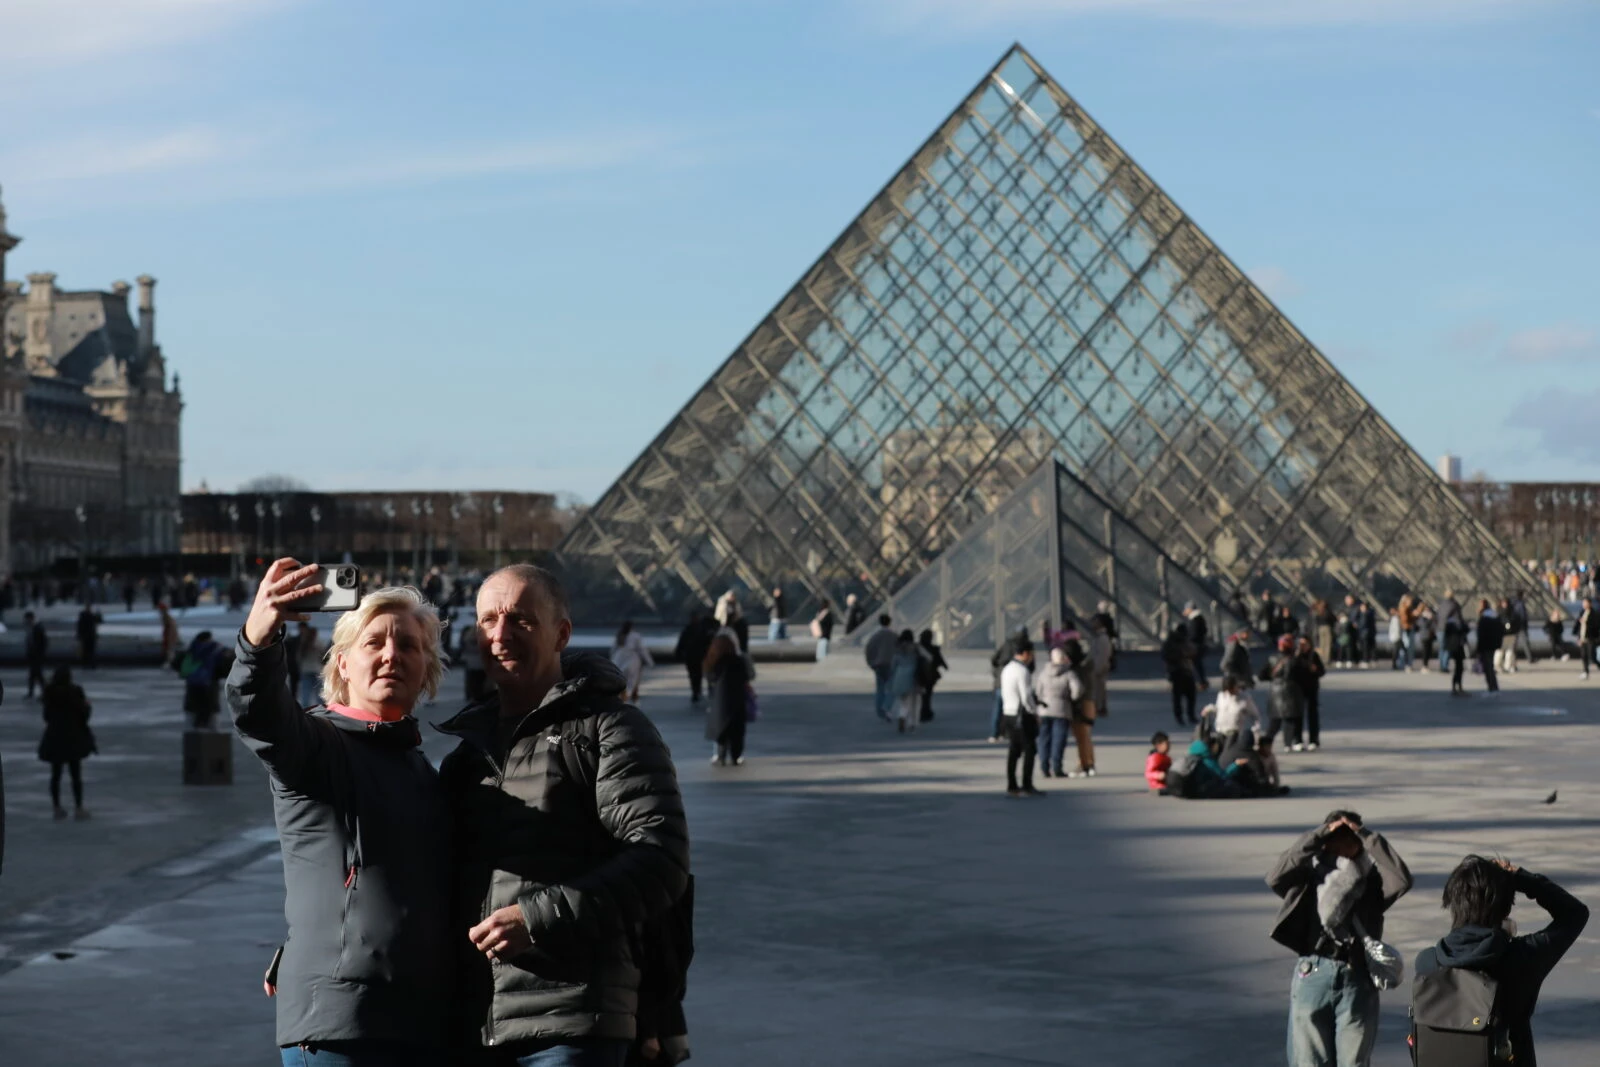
(1454, 1017)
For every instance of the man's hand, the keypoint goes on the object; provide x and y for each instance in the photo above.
(649, 1048)
(276, 597)
(502, 935)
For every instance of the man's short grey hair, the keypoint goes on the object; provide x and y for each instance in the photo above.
(549, 586)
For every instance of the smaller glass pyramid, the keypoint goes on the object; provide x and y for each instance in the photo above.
(1046, 557)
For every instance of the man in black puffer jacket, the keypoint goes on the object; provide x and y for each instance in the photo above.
(570, 836)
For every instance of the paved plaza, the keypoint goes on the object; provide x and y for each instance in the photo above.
(863, 897)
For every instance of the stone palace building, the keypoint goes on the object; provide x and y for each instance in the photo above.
(89, 426)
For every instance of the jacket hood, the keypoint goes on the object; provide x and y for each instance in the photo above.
(1199, 748)
(1475, 947)
(402, 733)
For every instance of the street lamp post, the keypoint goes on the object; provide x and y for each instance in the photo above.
(388, 566)
(427, 535)
(261, 520)
(455, 552)
(416, 547)
(499, 509)
(83, 552)
(316, 525)
(177, 527)
(233, 542)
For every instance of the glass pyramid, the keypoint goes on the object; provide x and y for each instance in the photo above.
(1020, 291)
(1046, 557)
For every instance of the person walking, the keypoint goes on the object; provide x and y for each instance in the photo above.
(1479, 894)
(1057, 689)
(822, 628)
(1267, 616)
(306, 650)
(1098, 668)
(1177, 654)
(1427, 637)
(631, 657)
(89, 621)
(67, 740)
(1396, 644)
(879, 654)
(1309, 672)
(1323, 621)
(1491, 634)
(778, 617)
(369, 962)
(1448, 616)
(1020, 710)
(200, 672)
(1236, 660)
(1408, 628)
(1367, 629)
(728, 673)
(931, 668)
(854, 613)
(997, 665)
(1454, 649)
(694, 641)
(35, 644)
(1587, 631)
(169, 635)
(731, 616)
(1084, 712)
(130, 593)
(1336, 882)
(1198, 634)
(904, 666)
(1514, 626)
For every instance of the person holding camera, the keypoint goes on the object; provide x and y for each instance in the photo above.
(1336, 881)
(365, 977)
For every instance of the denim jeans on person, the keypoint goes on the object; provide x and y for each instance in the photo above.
(822, 649)
(362, 1054)
(884, 700)
(585, 1052)
(1333, 1014)
(1053, 734)
(778, 630)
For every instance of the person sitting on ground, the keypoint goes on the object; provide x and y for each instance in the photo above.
(1479, 894)
(1242, 762)
(1236, 709)
(1203, 777)
(1158, 763)
(1267, 762)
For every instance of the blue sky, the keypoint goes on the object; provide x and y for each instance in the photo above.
(497, 245)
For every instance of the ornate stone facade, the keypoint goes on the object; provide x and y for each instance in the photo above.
(89, 426)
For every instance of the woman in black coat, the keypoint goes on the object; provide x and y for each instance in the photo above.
(67, 739)
(728, 674)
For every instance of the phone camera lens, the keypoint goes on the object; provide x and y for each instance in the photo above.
(347, 578)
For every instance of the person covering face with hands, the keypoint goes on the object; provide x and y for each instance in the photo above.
(572, 835)
(366, 973)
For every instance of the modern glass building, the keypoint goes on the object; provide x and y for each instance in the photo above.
(1019, 293)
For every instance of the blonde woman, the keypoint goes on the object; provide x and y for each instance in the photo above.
(365, 974)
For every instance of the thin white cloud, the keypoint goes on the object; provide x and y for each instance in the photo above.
(1562, 420)
(1276, 282)
(1551, 344)
(51, 33)
(1473, 336)
(967, 13)
(117, 154)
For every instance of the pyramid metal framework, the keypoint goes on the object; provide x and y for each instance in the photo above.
(1021, 290)
(1046, 557)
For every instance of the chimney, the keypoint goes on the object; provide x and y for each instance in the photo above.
(119, 289)
(147, 312)
(39, 339)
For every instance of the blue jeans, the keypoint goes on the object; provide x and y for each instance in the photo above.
(1333, 1014)
(777, 630)
(583, 1052)
(822, 649)
(1402, 650)
(363, 1054)
(1053, 733)
(884, 700)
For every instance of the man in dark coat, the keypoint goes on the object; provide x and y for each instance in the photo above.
(1587, 630)
(89, 621)
(694, 640)
(854, 613)
(37, 643)
(1336, 881)
(570, 835)
(1195, 621)
(1479, 894)
(1267, 616)
(1491, 635)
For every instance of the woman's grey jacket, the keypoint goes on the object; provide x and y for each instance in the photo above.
(367, 868)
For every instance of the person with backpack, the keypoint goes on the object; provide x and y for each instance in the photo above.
(199, 671)
(571, 836)
(1285, 701)
(1336, 881)
(1473, 994)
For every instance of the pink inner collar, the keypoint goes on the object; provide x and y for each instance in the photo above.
(363, 716)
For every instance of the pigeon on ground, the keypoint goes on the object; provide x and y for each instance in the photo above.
(1551, 799)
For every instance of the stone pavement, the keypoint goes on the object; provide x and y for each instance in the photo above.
(864, 898)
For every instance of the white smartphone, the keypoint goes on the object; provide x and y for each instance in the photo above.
(341, 589)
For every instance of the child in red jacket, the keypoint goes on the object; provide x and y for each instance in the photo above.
(1158, 763)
